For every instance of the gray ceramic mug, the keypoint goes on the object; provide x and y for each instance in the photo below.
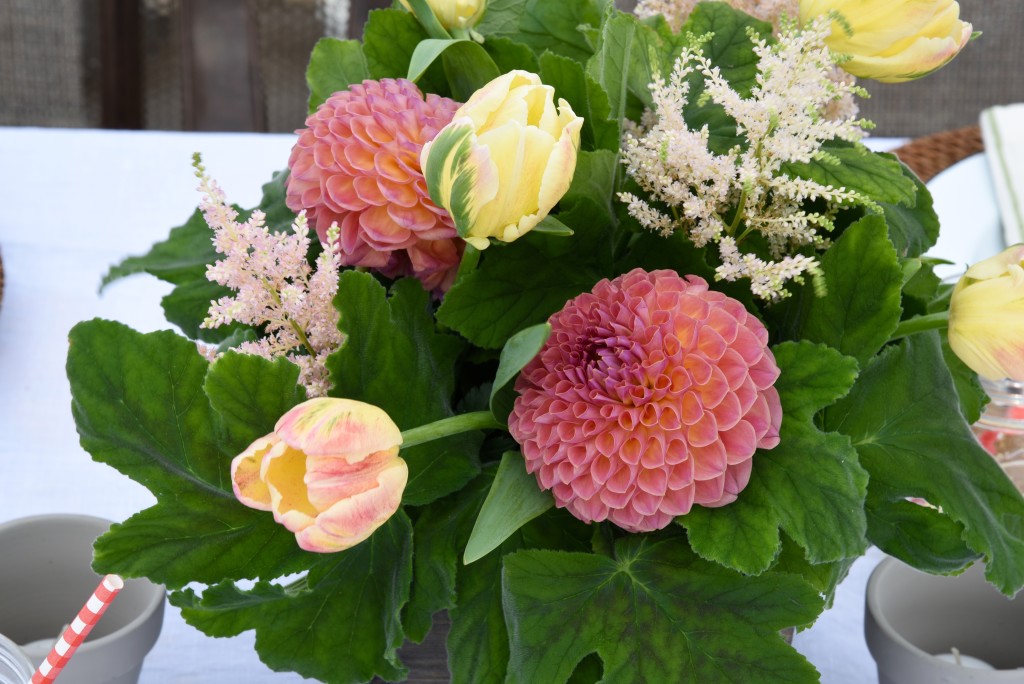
(46, 577)
(911, 617)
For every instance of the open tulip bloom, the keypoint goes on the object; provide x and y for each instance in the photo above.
(602, 332)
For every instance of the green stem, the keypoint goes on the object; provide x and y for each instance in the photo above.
(478, 420)
(917, 324)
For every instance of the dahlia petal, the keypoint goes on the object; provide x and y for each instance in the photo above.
(709, 492)
(709, 461)
(703, 432)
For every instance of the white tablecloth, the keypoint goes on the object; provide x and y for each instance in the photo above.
(73, 202)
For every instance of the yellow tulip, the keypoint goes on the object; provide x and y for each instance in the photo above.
(986, 316)
(892, 40)
(455, 14)
(505, 159)
(329, 471)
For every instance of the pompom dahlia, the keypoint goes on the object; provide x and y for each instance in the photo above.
(357, 163)
(650, 396)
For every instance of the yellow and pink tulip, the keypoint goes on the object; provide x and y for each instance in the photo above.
(505, 159)
(892, 41)
(986, 316)
(329, 472)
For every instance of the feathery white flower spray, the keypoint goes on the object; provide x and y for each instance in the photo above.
(275, 286)
(724, 198)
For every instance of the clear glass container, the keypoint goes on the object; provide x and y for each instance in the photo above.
(1001, 427)
(15, 667)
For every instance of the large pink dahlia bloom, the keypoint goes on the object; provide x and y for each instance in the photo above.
(651, 395)
(357, 163)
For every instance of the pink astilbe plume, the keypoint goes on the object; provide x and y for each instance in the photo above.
(650, 396)
(357, 164)
(275, 286)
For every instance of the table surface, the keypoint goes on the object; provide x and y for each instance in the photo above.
(77, 201)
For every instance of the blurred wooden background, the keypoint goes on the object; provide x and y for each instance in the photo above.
(239, 64)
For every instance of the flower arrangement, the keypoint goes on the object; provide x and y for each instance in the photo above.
(616, 344)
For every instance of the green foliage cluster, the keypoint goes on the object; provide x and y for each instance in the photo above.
(868, 422)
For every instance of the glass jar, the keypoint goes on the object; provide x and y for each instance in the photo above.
(15, 667)
(1001, 427)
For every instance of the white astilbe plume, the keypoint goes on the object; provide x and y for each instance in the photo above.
(723, 198)
(275, 286)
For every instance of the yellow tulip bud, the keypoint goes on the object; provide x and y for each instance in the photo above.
(505, 159)
(329, 471)
(986, 316)
(455, 14)
(892, 40)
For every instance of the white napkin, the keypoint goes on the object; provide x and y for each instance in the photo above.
(1002, 129)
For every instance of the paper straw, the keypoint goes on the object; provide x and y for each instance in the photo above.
(79, 628)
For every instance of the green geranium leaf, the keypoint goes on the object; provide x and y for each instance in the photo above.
(478, 643)
(139, 406)
(862, 308)
(629, 56)
(188, 305)
(440, 534)
(468, 68)
(587, 99)
(514, 500)
(392, 343)
(904, 420)
(556, 26)
(913, 228)
(730, 48)
(346, 605)
(516, 353)
(692, 621)
(810, 485)
(389, 39)
(854, 167)
(510, 55)
(916, 534)
(509, 293)
(334, 65)
(501, 18)
(824, 577)
(250, 394)
(590, 194)
(478, 640)
(973, 398)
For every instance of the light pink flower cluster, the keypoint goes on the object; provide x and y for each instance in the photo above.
(275, 286)
(357, 164)
(651, 395)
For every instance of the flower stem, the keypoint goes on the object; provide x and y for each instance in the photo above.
(911, 326)
(477, 420)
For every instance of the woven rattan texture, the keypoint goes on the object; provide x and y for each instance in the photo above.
(929, 155)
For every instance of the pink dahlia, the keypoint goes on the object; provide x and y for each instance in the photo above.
(651, 395)
(357, 163)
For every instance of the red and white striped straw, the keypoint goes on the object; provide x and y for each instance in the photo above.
(76, 632)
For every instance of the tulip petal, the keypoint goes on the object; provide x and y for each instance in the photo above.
(284, 471)
(246, 481)
(460, 174)
(352, 520)
(338, 426)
